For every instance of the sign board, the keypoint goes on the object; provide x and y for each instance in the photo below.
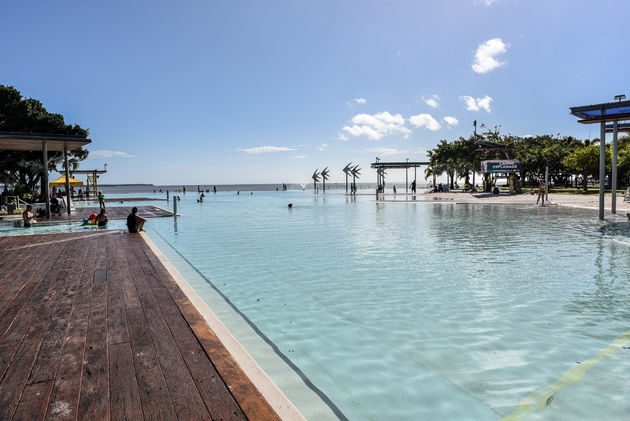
(506, 166)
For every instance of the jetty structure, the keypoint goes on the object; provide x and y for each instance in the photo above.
(613, 113)
(92, 178)
(381, 166)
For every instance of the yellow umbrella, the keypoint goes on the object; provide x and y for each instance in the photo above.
(61, 181)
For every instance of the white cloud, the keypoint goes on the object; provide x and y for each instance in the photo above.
(356, 101)
(323, 146)
(485, 59)
(477, 104)
(298, 157)
(264, 149)
(489, 2)
(451, 121)
(432, 101)
(377, 126)
(425, 120)
(110, 154)
(384, 151)
(343, 137)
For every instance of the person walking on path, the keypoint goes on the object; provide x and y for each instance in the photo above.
(542, 189)
(101, 199)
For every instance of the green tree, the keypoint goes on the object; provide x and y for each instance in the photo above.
(24, 169)
(585, 161)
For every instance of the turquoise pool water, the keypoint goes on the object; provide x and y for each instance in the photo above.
(414, 311)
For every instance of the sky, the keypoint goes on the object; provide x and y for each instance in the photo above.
(221, 92)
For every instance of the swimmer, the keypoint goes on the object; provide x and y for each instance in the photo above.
(291, 207)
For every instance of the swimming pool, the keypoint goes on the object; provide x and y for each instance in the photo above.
(409, 311)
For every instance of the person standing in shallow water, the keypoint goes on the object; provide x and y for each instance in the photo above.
(101, 199)
(542, 189)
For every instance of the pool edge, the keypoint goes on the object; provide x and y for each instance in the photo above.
(259, 378)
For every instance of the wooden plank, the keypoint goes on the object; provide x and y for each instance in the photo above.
(215, 394)
(94, 395)
(32, 272)
(154, 397)
(185, 396)
(47, 361)
(124, 396)
(63, 403)
(13, 326)
(253, 404)
(34, 401)
(18, 370)
(117, 331)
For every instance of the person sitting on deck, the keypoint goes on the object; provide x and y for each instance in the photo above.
(28, 216)
(101, 219)
(54, 205)
(134, 222)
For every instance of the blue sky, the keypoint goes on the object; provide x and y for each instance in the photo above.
(247, 91)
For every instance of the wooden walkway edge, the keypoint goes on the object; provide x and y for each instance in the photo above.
(93, 326)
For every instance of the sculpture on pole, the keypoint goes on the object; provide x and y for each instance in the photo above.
(315, 178)
(347, 171)
(324, 175)
(355, 174)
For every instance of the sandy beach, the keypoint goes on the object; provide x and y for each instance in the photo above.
(568, 200)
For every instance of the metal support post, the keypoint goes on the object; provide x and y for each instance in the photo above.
(614, 169)
(547, 183)
(407, 178)
(65, 159)
(45, 178)
(167, 195)
(602, 165)
(174, 205)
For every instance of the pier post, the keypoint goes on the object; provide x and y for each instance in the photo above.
(547, 183)
(45, 178)
(65, 158)
(174, 205)
(167, 195)
(602, 164)
(613, 181)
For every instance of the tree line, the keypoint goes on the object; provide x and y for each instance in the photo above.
(21, 171)
(571, 162)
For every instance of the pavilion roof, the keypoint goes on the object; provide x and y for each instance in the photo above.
(11, 141)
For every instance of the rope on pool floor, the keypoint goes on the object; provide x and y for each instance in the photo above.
(543, 397)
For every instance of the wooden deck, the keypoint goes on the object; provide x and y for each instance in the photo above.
(113, 212)
(93, 327)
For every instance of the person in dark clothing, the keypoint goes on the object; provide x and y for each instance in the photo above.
(134, 222)
(101, 219)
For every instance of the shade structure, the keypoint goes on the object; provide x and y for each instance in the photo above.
(45, 142)
(33, 141)
(61, 181)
